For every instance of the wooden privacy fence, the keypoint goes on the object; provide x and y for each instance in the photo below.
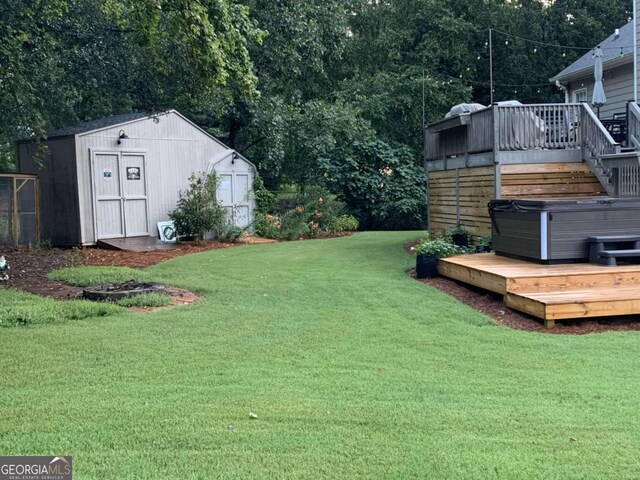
(19, 209)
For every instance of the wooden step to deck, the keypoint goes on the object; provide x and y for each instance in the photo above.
(571, 304)
(551, 292)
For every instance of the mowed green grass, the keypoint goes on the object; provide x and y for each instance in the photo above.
(353, 369)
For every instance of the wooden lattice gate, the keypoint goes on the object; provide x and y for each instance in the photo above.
(19, 209)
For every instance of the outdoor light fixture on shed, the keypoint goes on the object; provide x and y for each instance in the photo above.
(121, 136)
(234, 155)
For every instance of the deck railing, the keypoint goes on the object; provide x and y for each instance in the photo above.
(633, 125)
(522, 127)
(626, 180)
(480, 131)
(598, 143)
(543, 126)
(597, 140)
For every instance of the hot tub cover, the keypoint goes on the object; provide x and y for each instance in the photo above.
(562, 204)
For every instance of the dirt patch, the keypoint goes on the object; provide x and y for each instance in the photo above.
(179, 298)
(491, 304)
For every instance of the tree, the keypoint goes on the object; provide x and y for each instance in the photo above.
(380, 184)
(65, 61)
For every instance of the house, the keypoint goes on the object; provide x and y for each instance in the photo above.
(549, 150)
(117, 177)
(545, 182)
(577, 79)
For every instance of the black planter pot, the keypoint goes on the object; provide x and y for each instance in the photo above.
(426, 266)
(460, 239)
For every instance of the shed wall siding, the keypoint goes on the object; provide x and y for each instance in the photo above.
(474, 187)
(174, 150)
(618, 87)
(59, 209)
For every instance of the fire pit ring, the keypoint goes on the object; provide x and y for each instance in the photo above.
(111, 292)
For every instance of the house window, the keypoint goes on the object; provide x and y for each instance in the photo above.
(580, 96)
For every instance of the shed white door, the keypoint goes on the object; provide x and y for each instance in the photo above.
(120, 195)
(233, 189)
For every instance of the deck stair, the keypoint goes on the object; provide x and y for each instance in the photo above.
(605, 250)
(623, 171)
(602, 173)
(551, 292)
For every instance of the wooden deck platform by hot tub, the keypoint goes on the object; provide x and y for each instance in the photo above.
(551, 292)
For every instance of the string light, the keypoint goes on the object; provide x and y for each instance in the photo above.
(476, 82)
(538, 43)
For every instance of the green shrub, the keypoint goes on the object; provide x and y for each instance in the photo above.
(439, 247)
(86, 276)
(295, 224)
(266, 202)
(344, 223)
(198, 210)
(311, 213)
(230, 233)
(267, 225)
(145, 300)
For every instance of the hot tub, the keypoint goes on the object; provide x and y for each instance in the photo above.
(556, 230)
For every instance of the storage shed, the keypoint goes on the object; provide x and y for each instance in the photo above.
(117, 177)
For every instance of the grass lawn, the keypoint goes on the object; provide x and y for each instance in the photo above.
(353, 369)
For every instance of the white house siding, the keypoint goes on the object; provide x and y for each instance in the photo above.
(618, 87)
(637, 27)
(174, 149)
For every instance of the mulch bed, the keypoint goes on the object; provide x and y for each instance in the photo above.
(491, 304)
(29, 268)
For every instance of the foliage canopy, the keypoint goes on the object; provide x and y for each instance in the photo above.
(290, 84)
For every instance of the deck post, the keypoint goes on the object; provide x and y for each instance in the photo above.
(549, 323)
(457, 197)
(426, 169)
(496, 153)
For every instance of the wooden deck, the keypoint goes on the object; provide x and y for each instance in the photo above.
(551, 292)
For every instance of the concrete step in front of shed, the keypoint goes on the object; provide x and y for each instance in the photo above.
(579, 303)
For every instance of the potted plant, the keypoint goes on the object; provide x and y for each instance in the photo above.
(460, 237)
(428, 252)
(484, 244)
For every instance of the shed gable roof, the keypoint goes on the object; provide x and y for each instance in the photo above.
(96, 124)
(612, 48)
(115, 120)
